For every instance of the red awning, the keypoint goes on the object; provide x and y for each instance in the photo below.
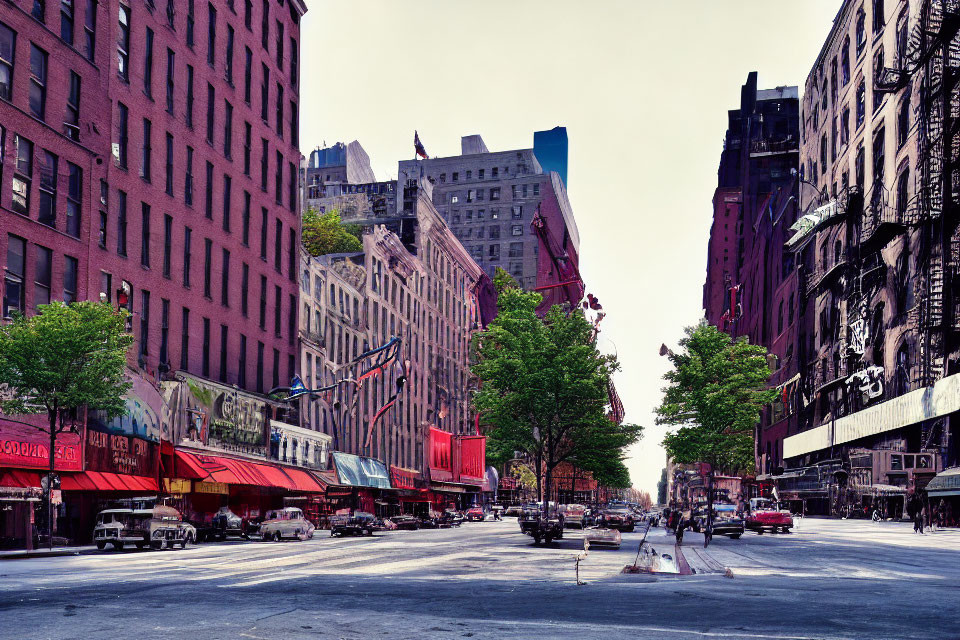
(19, 479)
(233, 471)
(303, 480)
(276, 477)
(103, 481)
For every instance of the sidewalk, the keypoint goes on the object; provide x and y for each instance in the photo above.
(23, 554)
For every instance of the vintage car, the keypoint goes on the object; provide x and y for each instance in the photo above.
(618, 518)
(540, 526)
(475, 514)
(358, 523)
(406, 522)
(726, 522)
(513, 511)
(157, 527)
(285, 523)
(577, 515)
(228, 524)
(765, 514)
(603, 538)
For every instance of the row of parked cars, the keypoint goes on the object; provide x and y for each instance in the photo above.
(605, 524)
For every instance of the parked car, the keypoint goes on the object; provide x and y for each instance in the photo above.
(358, 523)
(616, 518)
(228, 524)
(609, 538)
(475, 514)
(157, 527)
(576, 515)
(546, 527)
(406, 522)
(285, 523)
(765, 514)
(513, 511)
(726, 521)
(454, 517)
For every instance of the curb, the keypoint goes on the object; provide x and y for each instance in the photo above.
(682, 563)
(27, 555)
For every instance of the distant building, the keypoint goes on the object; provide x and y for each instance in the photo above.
(338, 164)
(550, 147)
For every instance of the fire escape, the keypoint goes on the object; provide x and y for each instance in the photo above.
(933, 56)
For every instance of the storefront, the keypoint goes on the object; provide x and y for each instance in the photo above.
(370, 480)
(943, 495)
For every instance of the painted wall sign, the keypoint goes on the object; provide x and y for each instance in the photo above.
(25, 447)
(359, 471)
(217, 416)
(117, 453)
(143, 407)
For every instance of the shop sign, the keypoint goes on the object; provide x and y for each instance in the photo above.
(441, 454)
(473, 456)
(26, 447)
(117, 453)
(220, 417)
(176, 485)
(142, 409)
(221, 488)
(402, 478)
(360, 471)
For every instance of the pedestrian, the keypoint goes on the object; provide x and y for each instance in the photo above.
(915, 512)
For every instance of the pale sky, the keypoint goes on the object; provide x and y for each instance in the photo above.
(643, 88)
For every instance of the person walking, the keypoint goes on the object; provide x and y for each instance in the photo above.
(915, 511)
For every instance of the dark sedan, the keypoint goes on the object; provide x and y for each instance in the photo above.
(619, 519)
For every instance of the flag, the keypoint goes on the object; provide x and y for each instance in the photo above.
(418, 146)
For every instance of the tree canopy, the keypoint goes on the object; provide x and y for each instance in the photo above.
(326, 233)
(543, 389)
(714, 395)
(65, 357)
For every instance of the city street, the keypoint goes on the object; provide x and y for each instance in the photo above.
(828, 579)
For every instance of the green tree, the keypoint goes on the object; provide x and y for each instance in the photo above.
(61, 360)
(714, 395)
(326, 233)
(543, 389)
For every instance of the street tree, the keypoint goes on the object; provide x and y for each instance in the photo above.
(65, 359)
(324, 233)
(714, 394)
(543, 389)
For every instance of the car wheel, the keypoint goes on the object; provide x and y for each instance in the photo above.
(734, 536)
(140, 545)
(118, 546)
(101, 545)
(278, 537)
(266, 537)
(786, 529)
(536, 539)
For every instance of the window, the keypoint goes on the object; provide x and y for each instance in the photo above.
(90, 29)
(145, 150)
(187, 237)
(208, 193)
(277, 245)
(265, 25)
(859, 168)
(211, 33)
(223, 353)
(123, 45)
(263, 302)
(903, 121)
(145, 235)
(71, 118)
(263, 234)
(878, 159)
(188, 179)
(278, 178)
(102, 240)
(38, 81)
(205, 356)
(244, 283)
(903, 192)
(292, 255)
(247, 73)
(144, 322)
(211, 100)
(122, 132)
(225, 280)
(845, 127)
(516, 230)
(259, 367)
(264, 92)
(264, 163)
(861, 103)
(823, 152)
(169, 166)
(276, 367)
(280, 101)
(247, 133)
(185, 340)
(207, 266)
(227, 193)
(39, 10)
(171, 13)
(121, 223)
(189, 113)
(245, 222)
(191, 21)
(228, 72)
(516, 249)
(277, 299)
(171, 62)
(8, 41)
(279, 44)
(167, 241)
(70, 275)
(74, 198)
(878, 18)
(148, 64)
(494, 252)
(517, 211)
(14, 276)
(292, 187)
(877, 70)
(48, 190)
(294, 63)
(495, 193)
(164, 330)
(248, 14)
(43, 275)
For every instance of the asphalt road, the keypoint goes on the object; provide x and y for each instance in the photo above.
(828, 579)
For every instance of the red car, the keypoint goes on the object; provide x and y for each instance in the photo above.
(765, 515)
(475, 514)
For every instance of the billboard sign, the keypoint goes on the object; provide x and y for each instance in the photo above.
(360, 471)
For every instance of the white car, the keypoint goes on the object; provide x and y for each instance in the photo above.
(285, 523)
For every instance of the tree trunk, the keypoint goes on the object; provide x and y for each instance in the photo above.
(708, 534)
(52, 414)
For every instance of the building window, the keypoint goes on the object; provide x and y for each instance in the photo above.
(279, 43)
(167, 243)
(122, 135)
(861, 103)
(878, 17)
(121, 223)
(211, 100)
(189, 113)
(878, 157)
(280, 102)
(145, 235)
(516, 249)
(74, 198)
(247, 133)
(171, 13)
(859, 168)
(225, 280)
(245, 238)
(208, 193)
(164, 330)
(242, 364)
(277, 245)
(123, 45)
(244, 283)
(494, 252)
(207, 266)
(205, 356)
(294, 63)
(8, 41)
(71, 118)
(516, 230)
(90, 29)
(39, 10)
(845, 126)
(292, 255)
(259, 368)
(903, 122)
(264, 163)
(248, 14)
(145, 151)
(264, 91)
(70, 275)
(48, 190)
(42, 276)
(188, 179)
(144, 323)
(861, 31)
(263, 234)
(227, 130)
(211, 33)
(265, 25)
(292, 187)
(903, 192)
(148, 64)
(14, 276)
(877, 70)
(278, 179)
(247, 73)
(263, 302)
(495, 193)
(228, 72)
(185, 340)
(223, 353)
(171, 60)
(276, 368)
(38, 81)
(187, 237)
(169, 166)
(191, 21)
(227, 192)
(102, 240)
